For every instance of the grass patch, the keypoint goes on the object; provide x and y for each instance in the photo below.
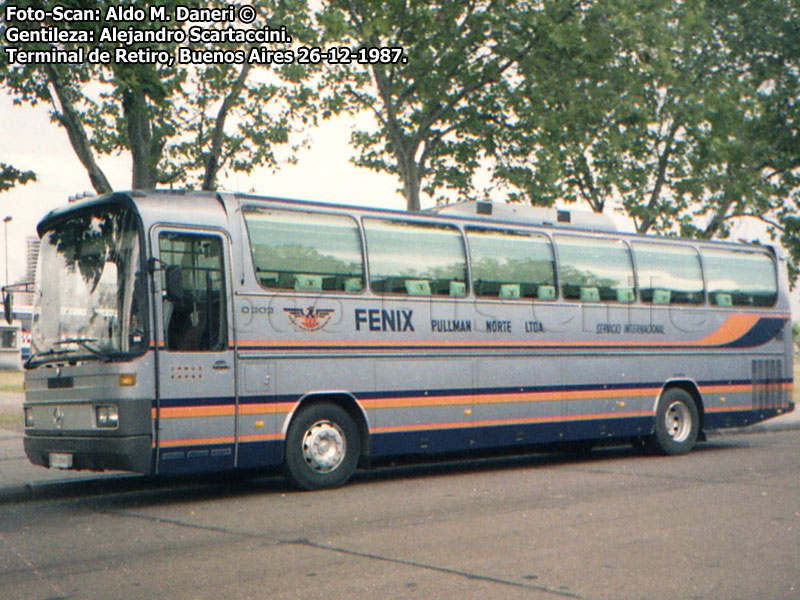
(11, 381)
(796, 389)
(11, 421)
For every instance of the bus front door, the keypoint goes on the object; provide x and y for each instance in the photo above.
(196, 406)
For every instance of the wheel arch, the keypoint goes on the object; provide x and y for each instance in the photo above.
(346, 401)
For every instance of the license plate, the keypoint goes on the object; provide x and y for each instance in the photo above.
(60, 461)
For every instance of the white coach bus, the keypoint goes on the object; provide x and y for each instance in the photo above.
(178, 332)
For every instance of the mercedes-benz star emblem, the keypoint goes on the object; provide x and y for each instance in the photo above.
(58, 417)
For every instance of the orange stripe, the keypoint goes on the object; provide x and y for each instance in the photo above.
(721, 389)
(520, 397)
(418, 401)
(746, 408)
(220, 440)
(526, 421)
(212, 441)
(261, 437)
(719, 409)
(500, 422)
(563, 418)
(260, 409)
(734, 327)
(612, 393)
(420, 427)
(193, 412)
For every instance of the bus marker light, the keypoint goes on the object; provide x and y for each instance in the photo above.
(127, 379)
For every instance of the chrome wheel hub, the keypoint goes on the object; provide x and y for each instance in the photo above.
(324, 446)
(678, 421)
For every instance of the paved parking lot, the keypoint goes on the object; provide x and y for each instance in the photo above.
(721, 522)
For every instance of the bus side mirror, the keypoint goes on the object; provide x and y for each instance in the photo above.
(8, 311)
(174, 275)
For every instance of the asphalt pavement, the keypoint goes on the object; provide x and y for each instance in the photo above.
(20, 480)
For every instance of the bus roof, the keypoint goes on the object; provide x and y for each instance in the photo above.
(211, 209)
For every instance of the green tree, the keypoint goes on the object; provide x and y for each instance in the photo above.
(11, 177)
(683, 112)
(603, 110)
(431, 106)
(754, 138)
(181, 123)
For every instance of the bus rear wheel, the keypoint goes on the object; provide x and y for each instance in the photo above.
(677, 423)
(322, 447)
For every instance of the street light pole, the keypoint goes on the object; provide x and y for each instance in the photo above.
(5, 240)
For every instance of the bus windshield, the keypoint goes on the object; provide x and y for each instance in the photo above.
(90, 300)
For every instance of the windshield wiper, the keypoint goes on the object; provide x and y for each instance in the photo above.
(83, 342)
(44, 354)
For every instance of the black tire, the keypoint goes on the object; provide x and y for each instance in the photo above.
(677, 423)
(322, 447)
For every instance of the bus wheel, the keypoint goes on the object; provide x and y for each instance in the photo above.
(677, 423)
(322, 447)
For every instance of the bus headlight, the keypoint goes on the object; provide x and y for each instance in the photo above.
(29, 422)
(107, 416)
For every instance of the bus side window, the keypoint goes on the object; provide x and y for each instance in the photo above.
(197, 320)
(305, 251)
(415, 259)
(511, 264)
(740, 278)
(595, 269)
(668, 274)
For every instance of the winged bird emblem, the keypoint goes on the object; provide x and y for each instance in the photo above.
(310, 318)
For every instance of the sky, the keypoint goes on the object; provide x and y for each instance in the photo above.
(324, 172)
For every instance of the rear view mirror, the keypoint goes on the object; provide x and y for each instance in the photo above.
(174, 275)
(8, 310)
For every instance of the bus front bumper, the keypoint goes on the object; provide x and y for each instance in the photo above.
(132, 453)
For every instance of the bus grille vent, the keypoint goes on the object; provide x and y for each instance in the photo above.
(767, 383)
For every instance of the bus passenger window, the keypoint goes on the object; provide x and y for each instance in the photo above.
(740, 278)
(668, 274)
(511, 264)
(305, 251)
(415, 259)
(595, 269)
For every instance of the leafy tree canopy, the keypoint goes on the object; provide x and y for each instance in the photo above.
(11, 177)
(181, 123)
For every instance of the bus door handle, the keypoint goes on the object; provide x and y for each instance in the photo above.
(221, 365)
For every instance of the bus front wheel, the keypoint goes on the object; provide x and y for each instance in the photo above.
(677, 423)
(322, 447)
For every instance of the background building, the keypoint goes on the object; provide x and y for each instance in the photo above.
(31, 256)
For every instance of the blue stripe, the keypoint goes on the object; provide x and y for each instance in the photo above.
(762, 332)
(191, 401)
(194, 459)
(743, 418)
